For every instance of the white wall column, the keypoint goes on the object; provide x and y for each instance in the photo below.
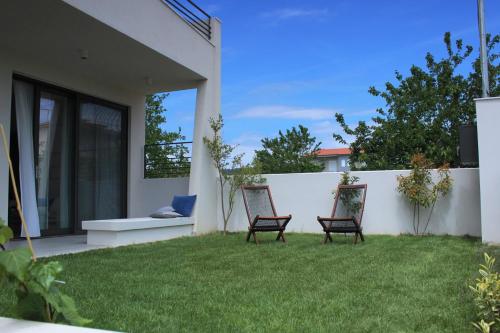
(488, 123)
(5, 101)
(136, 135)
(202, 180)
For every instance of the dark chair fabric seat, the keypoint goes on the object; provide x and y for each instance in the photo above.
(347, 212)
(261, 212)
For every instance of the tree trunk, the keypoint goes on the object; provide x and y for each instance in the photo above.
(429, 218)
(222, 202)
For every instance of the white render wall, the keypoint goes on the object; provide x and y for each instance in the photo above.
(308, 195)
(203, 173)
(488, 121)
(156, 193)
(5, 101)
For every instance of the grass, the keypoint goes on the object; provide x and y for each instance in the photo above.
(221, 283)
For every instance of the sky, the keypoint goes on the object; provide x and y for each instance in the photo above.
(291, 62)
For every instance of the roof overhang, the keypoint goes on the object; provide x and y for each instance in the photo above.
(54, 33)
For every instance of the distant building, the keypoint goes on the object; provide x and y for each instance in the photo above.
(334, 159)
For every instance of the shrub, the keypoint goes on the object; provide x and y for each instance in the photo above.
(487, 297)
(421, 191)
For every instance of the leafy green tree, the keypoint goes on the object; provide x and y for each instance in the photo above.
(423, 111)
(290, 152)
(162, 160)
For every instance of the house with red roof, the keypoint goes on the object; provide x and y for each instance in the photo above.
(334, 159)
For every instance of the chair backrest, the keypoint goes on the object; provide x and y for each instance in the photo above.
(350, 201)
(258, 201)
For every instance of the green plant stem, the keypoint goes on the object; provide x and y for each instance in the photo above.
(414, 214)
(429, 217)
(418, 218)
(48, 313)
(221, 183)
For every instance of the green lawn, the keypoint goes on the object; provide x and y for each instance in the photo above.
(222, 283)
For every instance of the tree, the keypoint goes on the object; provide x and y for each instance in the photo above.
(231, 170)
(161, 158)
(424, 111)
(291, 152)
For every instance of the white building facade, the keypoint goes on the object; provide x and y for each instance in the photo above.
(73, 79)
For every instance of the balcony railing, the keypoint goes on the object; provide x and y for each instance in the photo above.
(193, 15)
(167, 160)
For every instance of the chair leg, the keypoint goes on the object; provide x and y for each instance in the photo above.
(330, 238)
(248, 235)
(326, 237)
(361, 235)
(281, 235)
(255, 238)
(355, 240)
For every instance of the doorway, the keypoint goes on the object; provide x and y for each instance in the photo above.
(79, 157)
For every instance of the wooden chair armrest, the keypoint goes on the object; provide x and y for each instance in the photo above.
(271, 218)
(333, 219)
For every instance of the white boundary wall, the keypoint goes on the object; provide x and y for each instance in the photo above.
(308, 195)
(488, 118)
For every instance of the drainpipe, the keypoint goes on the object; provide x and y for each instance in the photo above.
(484, 51)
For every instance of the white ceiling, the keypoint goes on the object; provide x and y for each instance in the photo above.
(55, 32)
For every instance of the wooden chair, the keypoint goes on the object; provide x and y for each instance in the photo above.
(261, 213)
(347, 212)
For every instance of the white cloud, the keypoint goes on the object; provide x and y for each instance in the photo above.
(323, 127)
(247, 143)
(290, 13)
(287, 112)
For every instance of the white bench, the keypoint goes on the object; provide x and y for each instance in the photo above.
(136, 230)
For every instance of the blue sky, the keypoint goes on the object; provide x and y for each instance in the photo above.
(290, 62)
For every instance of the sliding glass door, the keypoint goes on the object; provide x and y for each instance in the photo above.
(101, 161)
(74, 165)
(54, 162)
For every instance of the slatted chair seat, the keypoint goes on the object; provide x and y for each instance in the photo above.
(261, 212)
(347, 212)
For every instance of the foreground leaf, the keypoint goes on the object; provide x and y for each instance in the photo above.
(16, 262)
(45, 274)
(6, 234)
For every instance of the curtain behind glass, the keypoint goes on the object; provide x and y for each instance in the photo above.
(100, 190)
(54, 177)
(24, 104)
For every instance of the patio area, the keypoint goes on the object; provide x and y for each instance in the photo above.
(53, 246)
(221, 283)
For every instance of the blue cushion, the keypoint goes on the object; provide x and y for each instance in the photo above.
(183, 204)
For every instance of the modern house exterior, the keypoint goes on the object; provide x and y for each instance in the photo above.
(73, 79)
(334, 159)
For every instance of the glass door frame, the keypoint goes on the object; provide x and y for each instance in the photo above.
(76, 98)
(39, 88)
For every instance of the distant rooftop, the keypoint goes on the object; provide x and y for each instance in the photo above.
(333, 152)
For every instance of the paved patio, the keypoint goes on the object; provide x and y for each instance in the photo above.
(52, 246)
